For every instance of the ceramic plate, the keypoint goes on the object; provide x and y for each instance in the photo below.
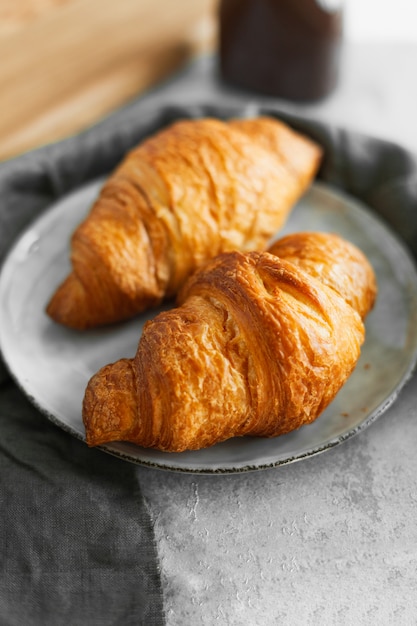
(53, 364)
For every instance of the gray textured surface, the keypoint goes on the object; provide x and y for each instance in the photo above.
(330, 540)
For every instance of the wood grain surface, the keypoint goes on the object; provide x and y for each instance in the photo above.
(67, 63)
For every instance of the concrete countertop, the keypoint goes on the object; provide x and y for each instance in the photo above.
(331, 539)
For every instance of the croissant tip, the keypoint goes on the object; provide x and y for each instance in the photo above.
(93, 442)
(69, 305)
(109, 404)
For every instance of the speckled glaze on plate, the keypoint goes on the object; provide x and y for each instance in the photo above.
(52, 364)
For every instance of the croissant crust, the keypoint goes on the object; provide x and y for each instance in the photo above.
(190, 192)
(259, 345)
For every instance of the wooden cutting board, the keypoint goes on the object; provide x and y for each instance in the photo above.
(68, 65)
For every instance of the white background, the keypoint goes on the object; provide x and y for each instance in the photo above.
(381, 20)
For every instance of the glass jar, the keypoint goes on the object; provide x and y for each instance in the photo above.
(285, 48)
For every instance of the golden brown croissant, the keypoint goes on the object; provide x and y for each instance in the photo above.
(260, 344)
(192, 191)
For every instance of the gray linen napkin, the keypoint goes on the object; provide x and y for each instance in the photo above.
(76, 541)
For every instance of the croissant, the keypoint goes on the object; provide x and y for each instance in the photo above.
(192, 191)
(259, 345)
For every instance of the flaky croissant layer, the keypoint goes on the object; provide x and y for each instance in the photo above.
(184, 195)
(259, 345)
